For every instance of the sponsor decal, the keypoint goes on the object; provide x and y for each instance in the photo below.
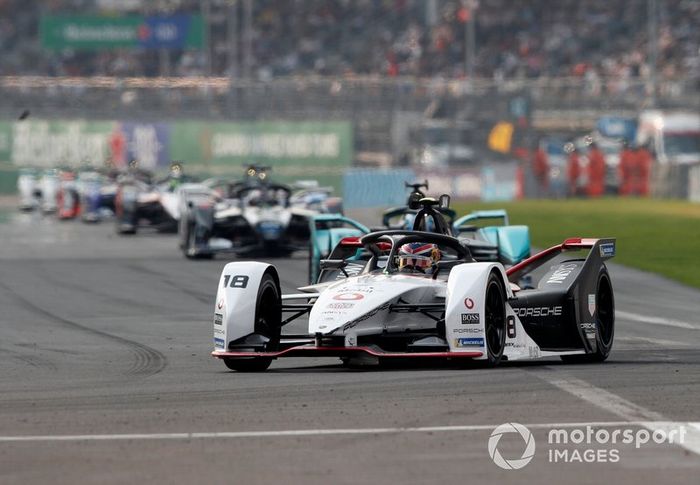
(590, 335)
(607, 250)
(340, 306)
(218, 331)
(349, 296)
(467, 330)
(220, 304)
(469, 303)
(515, 345)
(561, 273)
(544, 311)
(218, 319)
(588, 326)
(366, 316)
(470, 318)
(469, 342)
(219, 343)
(591, 304)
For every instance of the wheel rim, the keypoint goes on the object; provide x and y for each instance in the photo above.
(494, 313)
(606, 312)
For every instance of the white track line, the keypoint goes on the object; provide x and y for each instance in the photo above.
(315, 432)
(668, 322)
(619, 406)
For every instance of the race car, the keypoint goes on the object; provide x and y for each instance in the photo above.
(96, 192)
(505, 243)
(28, 189)
(67, 196)
(421, 295)
(255, 215)
(139, 202)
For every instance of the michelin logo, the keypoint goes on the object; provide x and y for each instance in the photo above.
(469, 342)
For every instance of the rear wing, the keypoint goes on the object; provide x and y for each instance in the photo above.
(600, 251)
(469, 219)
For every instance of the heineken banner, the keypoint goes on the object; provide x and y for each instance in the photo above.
(101, 32)
(293, 148)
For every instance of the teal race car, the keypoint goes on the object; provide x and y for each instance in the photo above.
(496, 241)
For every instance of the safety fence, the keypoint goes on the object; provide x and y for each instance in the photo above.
(363, 188)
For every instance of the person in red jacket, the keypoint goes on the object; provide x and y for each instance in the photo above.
(596, 171)
(626, 168)
(642, 171)
(540, 168)
(573, 172)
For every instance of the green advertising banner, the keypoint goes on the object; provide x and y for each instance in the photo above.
(40, 143)
(5, 141)
(92, 32)
(295, 150)
(320, 146)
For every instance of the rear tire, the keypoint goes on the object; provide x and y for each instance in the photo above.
(268, 322)
(494, 320)
(605, 323)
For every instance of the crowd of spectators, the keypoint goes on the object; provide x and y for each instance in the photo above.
(596, 40)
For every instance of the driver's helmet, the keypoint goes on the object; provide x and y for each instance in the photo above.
(418, 256)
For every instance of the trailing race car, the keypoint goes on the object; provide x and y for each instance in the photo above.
(28, 189)
(139, 202)
(505, 243)
(421, 295)
(97, 194)
(253, 216)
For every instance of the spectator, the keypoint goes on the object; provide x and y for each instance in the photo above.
(573, 172)
(596, 171)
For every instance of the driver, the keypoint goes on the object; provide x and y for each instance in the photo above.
(418, 257)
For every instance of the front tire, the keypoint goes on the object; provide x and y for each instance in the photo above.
(494, 320)
(268, 323)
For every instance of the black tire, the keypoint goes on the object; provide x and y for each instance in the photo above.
(268, 322)
(494, 319)
(190, 243)
(605, 323)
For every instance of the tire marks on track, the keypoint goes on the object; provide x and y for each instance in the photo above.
(146, 361)
(166, 280)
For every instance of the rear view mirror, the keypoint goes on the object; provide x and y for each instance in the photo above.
(444, 201)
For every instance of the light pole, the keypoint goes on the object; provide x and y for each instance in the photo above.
(653, 46)
(470, 37)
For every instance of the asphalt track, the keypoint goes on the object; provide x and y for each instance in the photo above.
(106, 377)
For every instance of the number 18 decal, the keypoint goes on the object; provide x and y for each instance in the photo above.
(238, 281)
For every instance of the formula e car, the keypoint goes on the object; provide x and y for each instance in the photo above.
(139, 202)
(28, 189)
(253, 216)
(456, 308)
(502, 242)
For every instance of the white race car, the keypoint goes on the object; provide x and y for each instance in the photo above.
(386, 300)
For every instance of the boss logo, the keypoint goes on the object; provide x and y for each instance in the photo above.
(544, 311)
(470, 318)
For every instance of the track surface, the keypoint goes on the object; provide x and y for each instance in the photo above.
(107, 335)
